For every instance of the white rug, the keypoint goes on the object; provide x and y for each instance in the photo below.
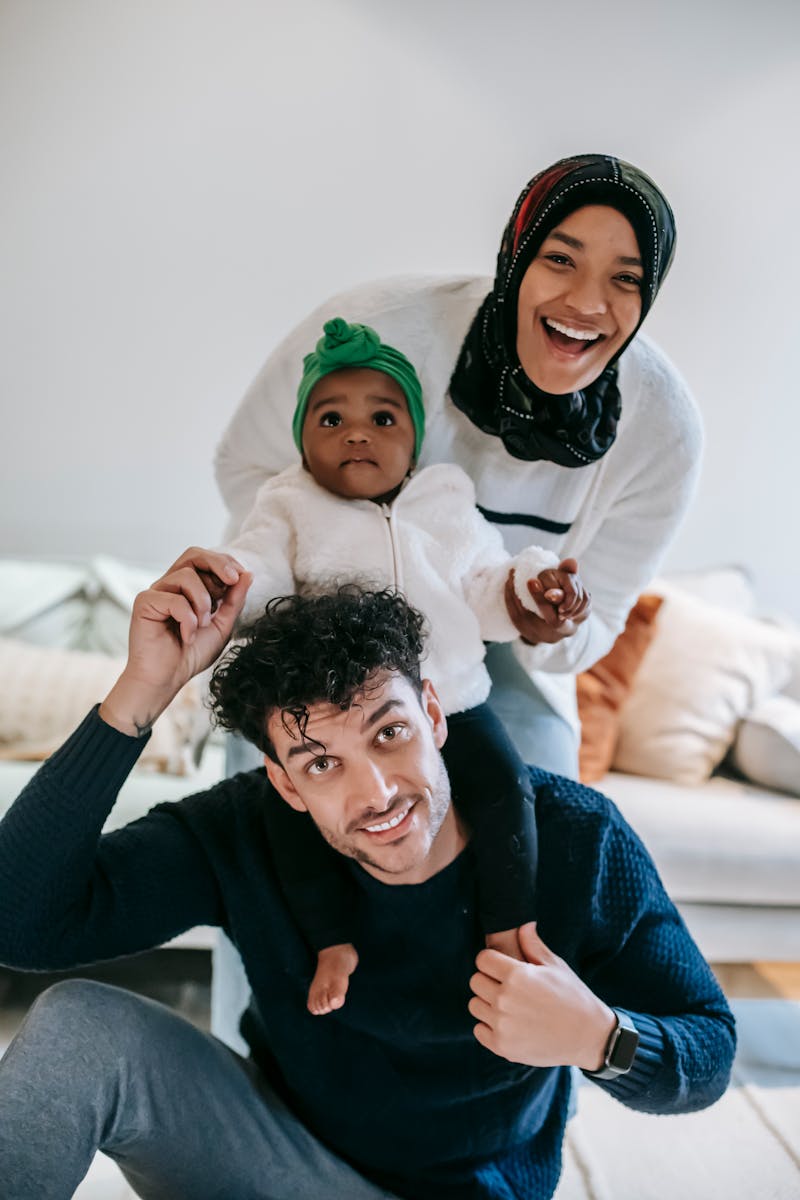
(746, 1147)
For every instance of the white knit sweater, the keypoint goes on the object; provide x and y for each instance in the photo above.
(430, 543)
(616, 516)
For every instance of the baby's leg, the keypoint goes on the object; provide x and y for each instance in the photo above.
(491, 788)
(315, 883)
(335, 965)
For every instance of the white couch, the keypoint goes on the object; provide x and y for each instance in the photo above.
(729, 855)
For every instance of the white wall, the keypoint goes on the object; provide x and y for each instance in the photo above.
(182, 179)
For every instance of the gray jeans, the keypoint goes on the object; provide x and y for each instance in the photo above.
(94, 1067)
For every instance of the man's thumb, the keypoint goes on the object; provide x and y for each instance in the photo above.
(532, 945)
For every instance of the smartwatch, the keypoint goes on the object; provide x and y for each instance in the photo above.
(620, 1049)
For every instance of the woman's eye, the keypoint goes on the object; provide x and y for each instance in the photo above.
(561, 260)
(631, 280)
(383, 418)
(330, 419)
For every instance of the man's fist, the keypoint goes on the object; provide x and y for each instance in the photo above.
(538, 1012)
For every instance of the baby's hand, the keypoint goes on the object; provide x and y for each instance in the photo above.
(560, 594)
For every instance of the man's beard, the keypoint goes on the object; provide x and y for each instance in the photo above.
(436, 799)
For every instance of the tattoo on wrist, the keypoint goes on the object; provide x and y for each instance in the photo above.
(143, 730)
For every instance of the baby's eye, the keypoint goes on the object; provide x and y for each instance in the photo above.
(383, 418)
(330, 419)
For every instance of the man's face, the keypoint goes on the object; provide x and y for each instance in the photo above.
(372, 778)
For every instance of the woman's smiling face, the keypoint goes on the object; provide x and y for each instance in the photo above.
(579, 300)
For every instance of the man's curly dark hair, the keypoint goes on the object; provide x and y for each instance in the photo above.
(308, 650)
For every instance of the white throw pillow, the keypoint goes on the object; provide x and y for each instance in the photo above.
(705, 670)
(767, 746)
(46, 693)
(117, 585)
(728, 587)
(44, 603)
(792, 685)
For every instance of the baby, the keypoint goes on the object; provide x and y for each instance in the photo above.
(355, 510)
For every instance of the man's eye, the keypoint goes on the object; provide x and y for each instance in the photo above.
(330, 419)
(391, 732)
(383, 418)
(320, 766)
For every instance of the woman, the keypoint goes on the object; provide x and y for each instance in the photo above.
(577, 434)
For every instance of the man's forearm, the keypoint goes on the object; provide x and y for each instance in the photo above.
(48, 849)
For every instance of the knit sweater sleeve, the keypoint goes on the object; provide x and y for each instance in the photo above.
(638, 956)
(70, 895)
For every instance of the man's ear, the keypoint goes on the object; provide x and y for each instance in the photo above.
(283, 784)
(432, 707)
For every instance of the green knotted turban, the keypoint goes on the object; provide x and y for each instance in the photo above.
(345, 345)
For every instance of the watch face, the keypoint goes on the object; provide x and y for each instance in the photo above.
(623, 1051)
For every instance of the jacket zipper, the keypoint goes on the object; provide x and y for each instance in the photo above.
(388, 512)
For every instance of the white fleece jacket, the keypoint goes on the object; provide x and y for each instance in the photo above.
(616, 516)
(430, 543)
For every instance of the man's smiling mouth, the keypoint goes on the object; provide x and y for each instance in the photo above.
(392, 822)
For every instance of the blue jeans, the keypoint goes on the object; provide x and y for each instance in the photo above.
(94, 1067)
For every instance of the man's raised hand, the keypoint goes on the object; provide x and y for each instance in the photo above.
(179, 626)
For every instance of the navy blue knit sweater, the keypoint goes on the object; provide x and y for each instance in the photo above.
(395, 1081)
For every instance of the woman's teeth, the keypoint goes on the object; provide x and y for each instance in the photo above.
(388, 824)
(579, 335)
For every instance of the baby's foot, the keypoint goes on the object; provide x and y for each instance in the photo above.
(507, 942)
(335, 965)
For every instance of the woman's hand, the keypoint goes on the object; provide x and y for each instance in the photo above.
(179, 626)
(562, 600)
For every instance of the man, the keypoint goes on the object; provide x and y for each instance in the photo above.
(436, 1079)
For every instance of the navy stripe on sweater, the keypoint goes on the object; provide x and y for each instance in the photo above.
(543, 523)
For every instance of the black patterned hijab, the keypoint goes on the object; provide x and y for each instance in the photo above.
(489, 384)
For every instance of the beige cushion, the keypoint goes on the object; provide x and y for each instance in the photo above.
(705, 670)
(46, 692)
(767, 746)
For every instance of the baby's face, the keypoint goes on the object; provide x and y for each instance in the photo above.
(358, 437)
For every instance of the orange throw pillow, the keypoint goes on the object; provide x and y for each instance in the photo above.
(603, 689)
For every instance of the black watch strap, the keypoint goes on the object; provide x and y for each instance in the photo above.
(620, 1049)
